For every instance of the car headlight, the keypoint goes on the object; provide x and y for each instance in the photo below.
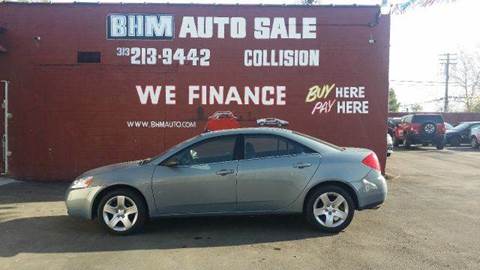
(83, 182)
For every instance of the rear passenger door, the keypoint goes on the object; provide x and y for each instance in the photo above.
(273, 172)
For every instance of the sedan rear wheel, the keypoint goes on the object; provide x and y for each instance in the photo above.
(330, 209)
(122, 212)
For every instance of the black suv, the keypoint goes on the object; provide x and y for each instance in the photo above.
(420, 129)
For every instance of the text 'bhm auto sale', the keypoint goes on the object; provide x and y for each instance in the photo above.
(325, 98)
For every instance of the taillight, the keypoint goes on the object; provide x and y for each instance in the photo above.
(372, 161)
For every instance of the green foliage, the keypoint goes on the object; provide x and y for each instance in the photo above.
(393, 104)
(476, 106)
(416, 108)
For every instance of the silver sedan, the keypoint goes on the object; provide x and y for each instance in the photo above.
(230, 172)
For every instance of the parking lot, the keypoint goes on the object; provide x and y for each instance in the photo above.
(431, 220)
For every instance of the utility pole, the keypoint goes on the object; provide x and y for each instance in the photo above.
(447, 59)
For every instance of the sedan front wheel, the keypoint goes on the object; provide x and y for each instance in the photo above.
(330, 209)
(122, 212)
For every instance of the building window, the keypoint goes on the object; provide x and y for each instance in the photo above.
(89, 57)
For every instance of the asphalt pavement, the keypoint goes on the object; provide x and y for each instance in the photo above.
(431, 220)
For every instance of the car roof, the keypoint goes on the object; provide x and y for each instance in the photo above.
(319, 146)
(470, 122)
(253, 130)
(426, 114)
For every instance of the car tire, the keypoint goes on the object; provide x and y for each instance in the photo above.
(474, 143)
(327, 218)
(429, 129)
(440, 145)
(121, 218)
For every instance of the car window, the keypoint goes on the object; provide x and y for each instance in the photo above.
(260, 146)
(321, 142)
(423, 118)
(209, 151)
(460, 127)
(475, 125)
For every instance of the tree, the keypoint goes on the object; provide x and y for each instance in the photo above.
(476, 106)
(406, 5)
(466, 75)
(416, 107)
(393, 104)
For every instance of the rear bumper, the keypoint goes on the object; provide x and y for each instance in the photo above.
(418, 138)
(372, 190)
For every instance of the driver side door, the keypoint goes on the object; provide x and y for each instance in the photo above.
(202, 181)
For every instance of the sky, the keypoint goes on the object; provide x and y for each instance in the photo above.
(418, 38)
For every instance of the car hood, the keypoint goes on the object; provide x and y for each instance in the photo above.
(111, 167)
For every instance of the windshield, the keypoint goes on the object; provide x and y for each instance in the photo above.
(148, 160)
(461, 126)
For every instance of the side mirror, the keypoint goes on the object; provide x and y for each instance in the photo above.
(172, 162)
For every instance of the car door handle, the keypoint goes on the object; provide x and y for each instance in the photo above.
(302, 165)
(225, 172)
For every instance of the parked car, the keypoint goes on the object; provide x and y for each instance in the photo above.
(273, 122)
(460, 133)
(475, 137)
(420, 129)
(221, 120)
(392, 123)
(237, 171)
(389, 145)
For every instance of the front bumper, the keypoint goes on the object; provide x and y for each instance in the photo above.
(371, 190)
(79, 202)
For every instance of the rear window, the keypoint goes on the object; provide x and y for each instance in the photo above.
(427, 118)
(327, 144)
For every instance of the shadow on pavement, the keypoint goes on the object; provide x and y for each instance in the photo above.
(433, 149)
(52, 234)
(21, 192)
(463, 149)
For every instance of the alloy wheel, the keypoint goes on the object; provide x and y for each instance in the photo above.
(429, 128)
(120, 213)
(330, 209)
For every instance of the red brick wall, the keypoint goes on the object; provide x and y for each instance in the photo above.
(70, 117)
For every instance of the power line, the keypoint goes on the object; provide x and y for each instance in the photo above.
(454, 98)
(415, 81)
